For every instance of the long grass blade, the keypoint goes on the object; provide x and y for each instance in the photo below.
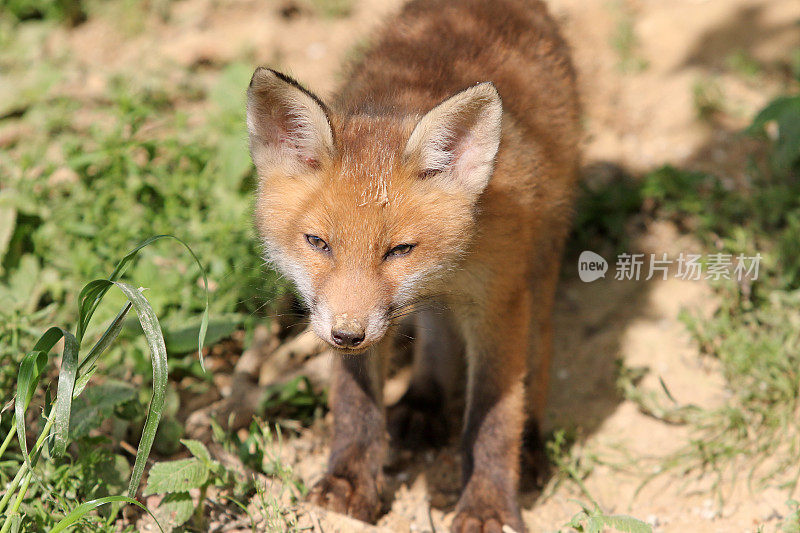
(158, 356)
(30, 370)
(80, 511)
(90, 297)
(66, 385)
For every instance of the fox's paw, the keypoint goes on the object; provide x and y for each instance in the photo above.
(341, 496)
(477, 515)
(466, 523)
(418, 420)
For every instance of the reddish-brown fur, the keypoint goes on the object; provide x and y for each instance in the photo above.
(489, 256)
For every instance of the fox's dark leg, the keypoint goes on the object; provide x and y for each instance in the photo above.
(535, 466)
(353, 480)
(543, 284)
(419, 419)
(496, 354)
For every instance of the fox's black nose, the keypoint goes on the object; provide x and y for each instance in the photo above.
(347, 339)
(347, 333)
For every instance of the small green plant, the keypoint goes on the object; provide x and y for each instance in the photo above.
(743, 64)
(69, 11)
(177, 478)
(569, 465)
(284, 487)
(594, 520)
(624, 40)
(603, 214)
(794, 64)
(295, 400)
(708, 98)
(791, 524)
(784, 112)
(651, 402)
(591, 518)
(333, 8)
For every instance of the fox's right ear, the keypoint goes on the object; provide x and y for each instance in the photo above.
(456, 142)
(288, 126)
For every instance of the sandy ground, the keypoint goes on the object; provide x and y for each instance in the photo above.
(637, 117)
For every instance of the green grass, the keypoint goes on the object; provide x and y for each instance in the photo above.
(573, 467)
(86, 181)
(708, 98)
(743, 64)
(131, 14)
(94, 180)
(603, 214)
(333, 8)
(276, 515)
(624, 39)
(63, 11)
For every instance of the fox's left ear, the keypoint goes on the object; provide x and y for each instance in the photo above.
(456, 142)
(288, 126)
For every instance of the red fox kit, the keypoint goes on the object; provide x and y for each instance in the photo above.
(444, 169)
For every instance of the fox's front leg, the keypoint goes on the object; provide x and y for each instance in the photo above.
(494, 419)
(353, 480)
(419, 418)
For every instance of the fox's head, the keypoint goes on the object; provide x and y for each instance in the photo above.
(367, 213)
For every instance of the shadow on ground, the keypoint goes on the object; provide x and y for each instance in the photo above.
(746, 31)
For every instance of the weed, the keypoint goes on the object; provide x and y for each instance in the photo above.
(590, 518)
(69, 11)
(603, 214)
(275, 495)
(333, 8)
(794, 64)
(177, 478)
(708, 98)
(295, 400)
(276, 500)
(651, 402)
(570, 465)
(791, 524)
(594, 520)
(743, 64)
(624, 40)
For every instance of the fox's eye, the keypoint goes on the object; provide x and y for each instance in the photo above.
(400, 249)
(318, 243)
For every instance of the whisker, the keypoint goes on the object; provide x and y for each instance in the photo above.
(414, 306)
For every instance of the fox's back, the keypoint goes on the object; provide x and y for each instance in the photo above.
(437, 47)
